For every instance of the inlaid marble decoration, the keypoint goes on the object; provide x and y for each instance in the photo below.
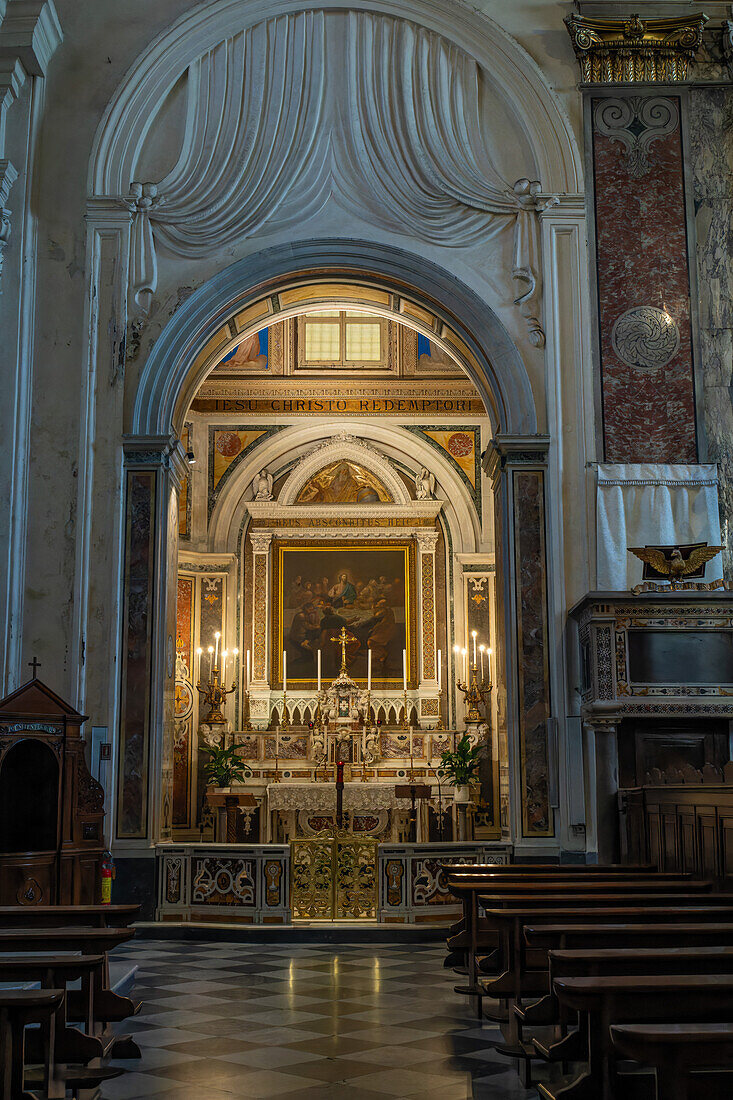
(184, 701)
(134, 741)
(711, 145)
(643, 280)
(532, 643)
(184, 496)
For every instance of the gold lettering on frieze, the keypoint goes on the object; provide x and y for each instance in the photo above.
(349, 521)
(346, 406)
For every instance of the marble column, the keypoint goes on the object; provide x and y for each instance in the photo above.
(517, 466)
(153, 472)
(427, 679)
(260, 685)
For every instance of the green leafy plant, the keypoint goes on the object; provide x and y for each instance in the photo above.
(460, 768)
(226, 767)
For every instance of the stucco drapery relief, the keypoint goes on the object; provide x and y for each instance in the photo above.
(382, 116)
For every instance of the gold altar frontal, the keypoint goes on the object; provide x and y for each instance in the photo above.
(334, 877)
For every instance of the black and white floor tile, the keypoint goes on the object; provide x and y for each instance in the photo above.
(315, 1022)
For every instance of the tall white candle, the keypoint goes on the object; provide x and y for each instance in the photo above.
(473, 635)
(488, 661)
(440, 667)
(235, 654)
(211, 658)
(285, 671)
(465, 665)
(319, 671)
(224, 655)
(369, 669)
(482, 650)
(217, 636)
(246, 683)
(404, 669)
(199, 651)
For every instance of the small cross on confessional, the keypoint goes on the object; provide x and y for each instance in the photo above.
(35, 664)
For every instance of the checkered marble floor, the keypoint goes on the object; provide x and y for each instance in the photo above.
(305, 1022)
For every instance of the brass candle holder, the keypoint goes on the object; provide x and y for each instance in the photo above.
(404, 723)
(475, 696)
(214, 696)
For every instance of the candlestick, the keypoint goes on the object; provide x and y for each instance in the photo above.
(217, 636)
(488, 662)
(369, 669)
(464, 651)
(404, 669)
(211, 666)
(246, 683)
(319, 672)
(473, 635)
(224, 655)
(285, 672)
(199, 651)
(482, 650)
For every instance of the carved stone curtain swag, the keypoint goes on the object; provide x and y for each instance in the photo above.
(378, 114)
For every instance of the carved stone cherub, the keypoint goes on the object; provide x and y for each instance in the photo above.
(262, 485)
(424, 484)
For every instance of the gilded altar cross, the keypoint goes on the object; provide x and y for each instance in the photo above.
(343, 640)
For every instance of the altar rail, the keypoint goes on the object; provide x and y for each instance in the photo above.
(411, 888)
(246, 884)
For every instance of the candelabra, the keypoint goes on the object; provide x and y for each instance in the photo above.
(285, 721)
(404, 722)
(475, 696)
(214, 694)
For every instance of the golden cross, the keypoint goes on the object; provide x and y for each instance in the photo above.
(343, 640)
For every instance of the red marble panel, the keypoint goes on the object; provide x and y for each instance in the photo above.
(649, 415)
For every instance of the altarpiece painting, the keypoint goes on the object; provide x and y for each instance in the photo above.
(366, 589)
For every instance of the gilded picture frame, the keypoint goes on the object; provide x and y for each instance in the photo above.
(368, 587)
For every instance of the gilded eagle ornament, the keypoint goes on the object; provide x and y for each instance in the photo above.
(675, 565)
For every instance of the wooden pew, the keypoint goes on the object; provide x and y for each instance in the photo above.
(680, 959)
(685, 998)
(516, 981)
(52, 916)
(675, 1051)
(471, 892)
(108, 1006)
(18, 1009)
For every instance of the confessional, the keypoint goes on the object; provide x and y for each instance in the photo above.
(51, 809)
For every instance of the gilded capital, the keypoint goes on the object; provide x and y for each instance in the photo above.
(634, 50)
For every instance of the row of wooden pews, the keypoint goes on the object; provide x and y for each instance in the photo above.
(56, 1039)
(599, 973)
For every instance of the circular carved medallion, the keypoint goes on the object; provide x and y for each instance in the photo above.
(460, 444)
(228, 444)
(183, 699)
(645, 337)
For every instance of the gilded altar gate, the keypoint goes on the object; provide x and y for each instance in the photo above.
(334, 878)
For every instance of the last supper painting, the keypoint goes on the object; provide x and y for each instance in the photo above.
(365, 590)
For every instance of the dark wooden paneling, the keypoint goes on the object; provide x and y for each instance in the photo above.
(686, 828)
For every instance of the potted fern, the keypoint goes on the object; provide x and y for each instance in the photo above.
(460, 768)
(225, 767)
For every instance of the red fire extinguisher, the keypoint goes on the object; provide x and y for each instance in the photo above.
(108, 873)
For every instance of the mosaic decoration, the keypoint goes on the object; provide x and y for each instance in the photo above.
(532, 641)
(229, 445)
(461, 444)
(643, 280)
(137, 654)
(222, 881)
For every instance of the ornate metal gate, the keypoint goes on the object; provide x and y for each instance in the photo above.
(334, 878)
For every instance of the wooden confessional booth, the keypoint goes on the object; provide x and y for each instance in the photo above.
(51, 809)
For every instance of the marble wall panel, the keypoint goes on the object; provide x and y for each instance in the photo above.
(643, 280)
(533, 653)
(134, 740)
(711, 154)
(184, 702)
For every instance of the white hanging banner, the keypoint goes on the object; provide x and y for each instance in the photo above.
(650, 504)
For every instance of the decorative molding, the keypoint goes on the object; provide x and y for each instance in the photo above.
(632, 50)
(260, 542)
(31, 33)
(637, 121)
(645, 338)
(342, 446)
